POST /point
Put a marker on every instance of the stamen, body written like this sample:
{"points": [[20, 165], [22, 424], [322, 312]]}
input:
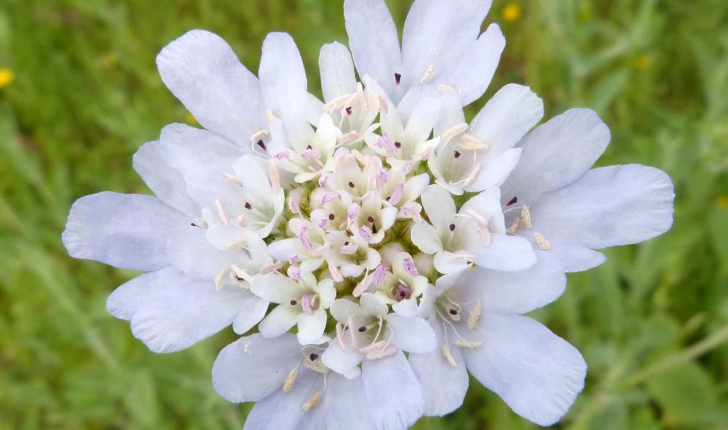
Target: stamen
{"points": [[514, 227], [261, 144], [335, 273], [294, 272], [232, 178], [283, 153], [348, 249], [482, 226], [309, 154], [290, 380], [348, 110], [323, 180], [383, 105], [304, 240], [363, 286], [270, 268], [428, 74], [446, 88], [542, 242], [526, 216], [309, 304], [366, 233], [382, 353], [448, 355], [396, 195], [469, 344], [349, 137], [275, 176], [402, 292], [247, 348], [221, 212], [258, 134], [294, 204], [242, 274], [472, 143], [312, 402], [219, 277], [409, 267], [270, 116], [241, 221], [328, 197], [340, 337], [474, 317], [453, 132], [512, 201], [385, 142], [379, 273]]}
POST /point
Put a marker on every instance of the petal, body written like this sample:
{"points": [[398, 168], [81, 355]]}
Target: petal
{"points": [[494, 171], [343, 309], [608, 206], [393, 395], [189, 251], [556, 154], [422, 120], [444, 385], [411, 334], [372, 305], [126, 300], [337, 71], [537, 373], [205, 75], [487, 204], [123, 230], [284, 411], [165, 181], [197, 311], [374, 43], [477, 64], [507, 117], [426, 238], [276, 288], [281, 319], [340, 360], [251, 311], [311, 327], [451, 113], [253, 367], [203, 159], [507, 253], [344, 406], [512, 292], [436, 33], [439, 206]]}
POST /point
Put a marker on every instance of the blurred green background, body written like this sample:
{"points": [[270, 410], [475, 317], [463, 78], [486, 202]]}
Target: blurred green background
{"points": [[80, 93]]}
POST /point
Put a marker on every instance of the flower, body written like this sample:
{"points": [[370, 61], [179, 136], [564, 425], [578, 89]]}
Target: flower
{"points": [[381, 246]]}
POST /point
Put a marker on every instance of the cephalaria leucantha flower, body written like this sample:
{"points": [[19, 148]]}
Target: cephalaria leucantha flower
{"points": [[373, 247]]}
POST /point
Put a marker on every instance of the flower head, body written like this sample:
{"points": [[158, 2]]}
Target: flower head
{"points": [[381, 244]]}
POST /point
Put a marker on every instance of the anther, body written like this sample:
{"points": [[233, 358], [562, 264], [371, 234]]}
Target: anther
{"points": [[362, 329], [332, 217], [452, 227], [446, 88], [294, 302], [248, 206], [514, 227], [526, 216], [397, 145], [348, 110], [448, 355], [456, 154], [313, 356], [370, 218], [428, 74], [469, 344], [512, 201], [261, 144], [351, 184], [221, 212], [474, 317], [542, 242], [290, 380], [397, 78], [453, 311], [312, 402]]}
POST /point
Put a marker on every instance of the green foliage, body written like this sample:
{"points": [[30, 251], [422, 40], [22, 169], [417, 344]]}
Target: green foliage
{"points": [[652, 322]]}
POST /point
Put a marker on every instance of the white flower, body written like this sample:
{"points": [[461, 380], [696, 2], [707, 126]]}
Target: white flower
{"points": [[371, 224]]}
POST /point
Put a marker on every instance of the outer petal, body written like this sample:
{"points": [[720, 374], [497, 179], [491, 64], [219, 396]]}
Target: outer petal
{"points": [[511, 292], [608, 206], [536, 372], [165, 181], [284, 411], [507, 117], [436, 33], [507, 253], [374, 43], [253, 367], [393, 395], [556, 154], [337, 71], [344, 406], [281, 69], [444, 385], [477, 65], [412, 334], [123, 230], [195, 313], [203, 72], [134, 295]]}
